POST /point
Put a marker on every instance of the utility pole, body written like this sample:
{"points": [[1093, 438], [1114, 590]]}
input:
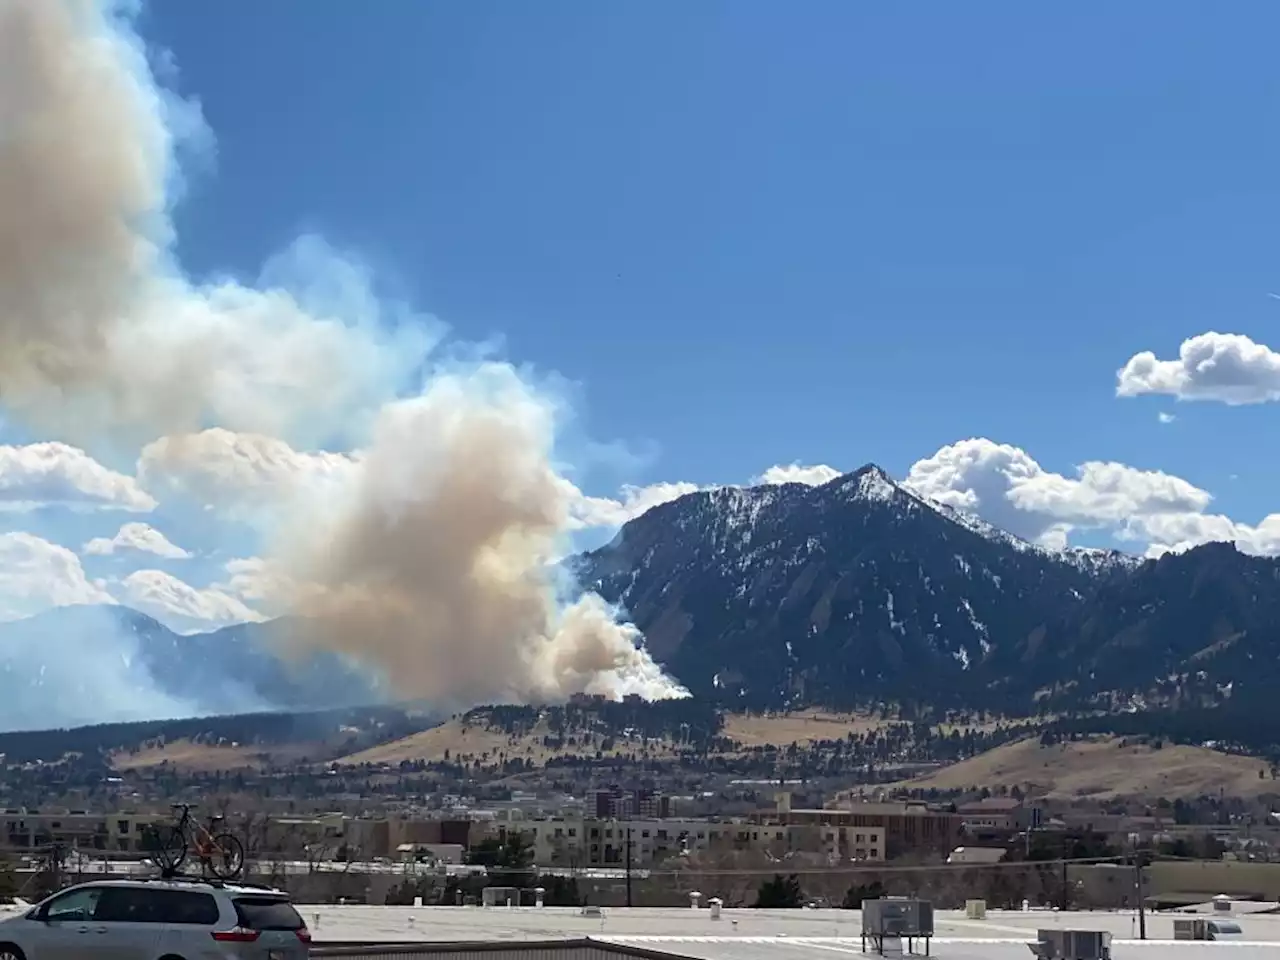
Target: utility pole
{"points": [[1137, 883], [628, 866], [1066, 891]]}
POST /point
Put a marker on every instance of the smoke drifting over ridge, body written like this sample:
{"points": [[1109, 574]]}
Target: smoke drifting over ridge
{"points": [[428, 552]]}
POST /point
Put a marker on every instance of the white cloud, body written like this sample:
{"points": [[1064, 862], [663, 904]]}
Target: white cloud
{"points": [[813, 476], [180, 606], [1008, 488], [251, 578], [631, 502], [264, 585], [36, 575], [55, 473], [240, 473], [1165, 417], [1227, 367], [1178, 532], [138, 538]]}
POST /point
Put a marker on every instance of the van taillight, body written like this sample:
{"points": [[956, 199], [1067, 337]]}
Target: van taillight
{"points": [[303, 934], [236, 935]]}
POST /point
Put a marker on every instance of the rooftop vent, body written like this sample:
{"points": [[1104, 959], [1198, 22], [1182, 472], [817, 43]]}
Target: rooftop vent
{"points": [[1072, 945]]}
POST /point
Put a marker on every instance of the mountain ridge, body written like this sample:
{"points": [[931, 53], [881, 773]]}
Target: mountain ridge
{"points": [[860, 588]]}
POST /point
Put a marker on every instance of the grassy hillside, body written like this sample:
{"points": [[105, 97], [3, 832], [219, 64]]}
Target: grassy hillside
{"points": [[190, 756], [1105, 767], [487, 735], [469, 738]]}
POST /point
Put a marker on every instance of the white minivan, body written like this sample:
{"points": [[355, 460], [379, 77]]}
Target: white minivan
{"points": [[154, 919]]}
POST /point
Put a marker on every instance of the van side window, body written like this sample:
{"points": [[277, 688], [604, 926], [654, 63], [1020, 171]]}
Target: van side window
{"points": [[127, 905], [187, 906], [74, 905]]}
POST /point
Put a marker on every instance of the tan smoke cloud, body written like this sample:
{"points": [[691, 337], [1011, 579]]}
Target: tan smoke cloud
{"points": [[447, 537], [431, 555], [81, 178], [99, 333]]}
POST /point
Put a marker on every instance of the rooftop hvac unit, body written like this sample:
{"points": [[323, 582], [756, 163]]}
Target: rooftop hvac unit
{"points": [[500, 896], [893, 919], [1072, 945]]}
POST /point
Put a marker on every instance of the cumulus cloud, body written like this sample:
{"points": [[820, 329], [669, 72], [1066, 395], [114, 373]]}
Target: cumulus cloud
{"points": [[137, 538], [244, 474], [41, 474], [632, 501], [1165, 417], [813, 476], [1149, 509], [36, 575], [264, 585], [180, 606], [1227, 367], [1176, 532], [1007, 487]]}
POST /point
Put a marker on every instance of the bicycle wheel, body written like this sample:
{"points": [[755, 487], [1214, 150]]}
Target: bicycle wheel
{"points": [[168, 847], [226, 859]]}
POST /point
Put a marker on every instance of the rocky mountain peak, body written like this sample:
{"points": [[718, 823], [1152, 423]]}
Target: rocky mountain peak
{"points": [[859, 589]]}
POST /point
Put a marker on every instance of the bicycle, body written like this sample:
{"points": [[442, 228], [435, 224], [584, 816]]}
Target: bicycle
{"points": [[221, 854]]}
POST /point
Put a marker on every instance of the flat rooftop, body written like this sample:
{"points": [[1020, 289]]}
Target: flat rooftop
{"points": [[685, 926], [783, 949], [746, 934]]}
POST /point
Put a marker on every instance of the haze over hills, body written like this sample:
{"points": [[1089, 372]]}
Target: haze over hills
{"points": [[99, 664]]}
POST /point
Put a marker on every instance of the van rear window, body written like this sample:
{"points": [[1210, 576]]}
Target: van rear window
{"points": [[267, 913]]}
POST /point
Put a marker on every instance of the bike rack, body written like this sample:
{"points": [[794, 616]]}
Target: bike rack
{"points": [[168, 871], [171, 874]]}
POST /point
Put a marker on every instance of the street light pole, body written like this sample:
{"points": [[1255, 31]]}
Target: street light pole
{"points": [[628, 866], [1137, 884]]}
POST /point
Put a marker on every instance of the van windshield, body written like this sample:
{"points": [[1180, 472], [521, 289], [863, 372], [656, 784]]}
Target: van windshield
{"points": [[1220, 926]]}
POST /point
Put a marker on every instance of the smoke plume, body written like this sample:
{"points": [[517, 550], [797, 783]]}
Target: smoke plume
{"points": [[430, 553]]}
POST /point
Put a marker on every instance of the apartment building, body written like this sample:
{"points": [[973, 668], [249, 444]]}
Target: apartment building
{"points": [[996, 817], [24, 831], [904, 826], [367, 838], [589, 842], [614, 803]]}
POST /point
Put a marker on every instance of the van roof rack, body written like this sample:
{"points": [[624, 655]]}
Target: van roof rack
{"points": [[196, 878]]}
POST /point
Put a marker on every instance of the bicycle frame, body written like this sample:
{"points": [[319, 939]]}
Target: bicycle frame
{"points": [[221, 854], [198, 836]]}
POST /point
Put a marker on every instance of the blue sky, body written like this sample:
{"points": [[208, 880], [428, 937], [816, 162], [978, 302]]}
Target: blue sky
{"points": [[837, 233], [748, 236]]}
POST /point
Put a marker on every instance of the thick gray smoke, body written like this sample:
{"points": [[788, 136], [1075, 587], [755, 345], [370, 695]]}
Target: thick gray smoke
{"points": [[428, 551]]}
